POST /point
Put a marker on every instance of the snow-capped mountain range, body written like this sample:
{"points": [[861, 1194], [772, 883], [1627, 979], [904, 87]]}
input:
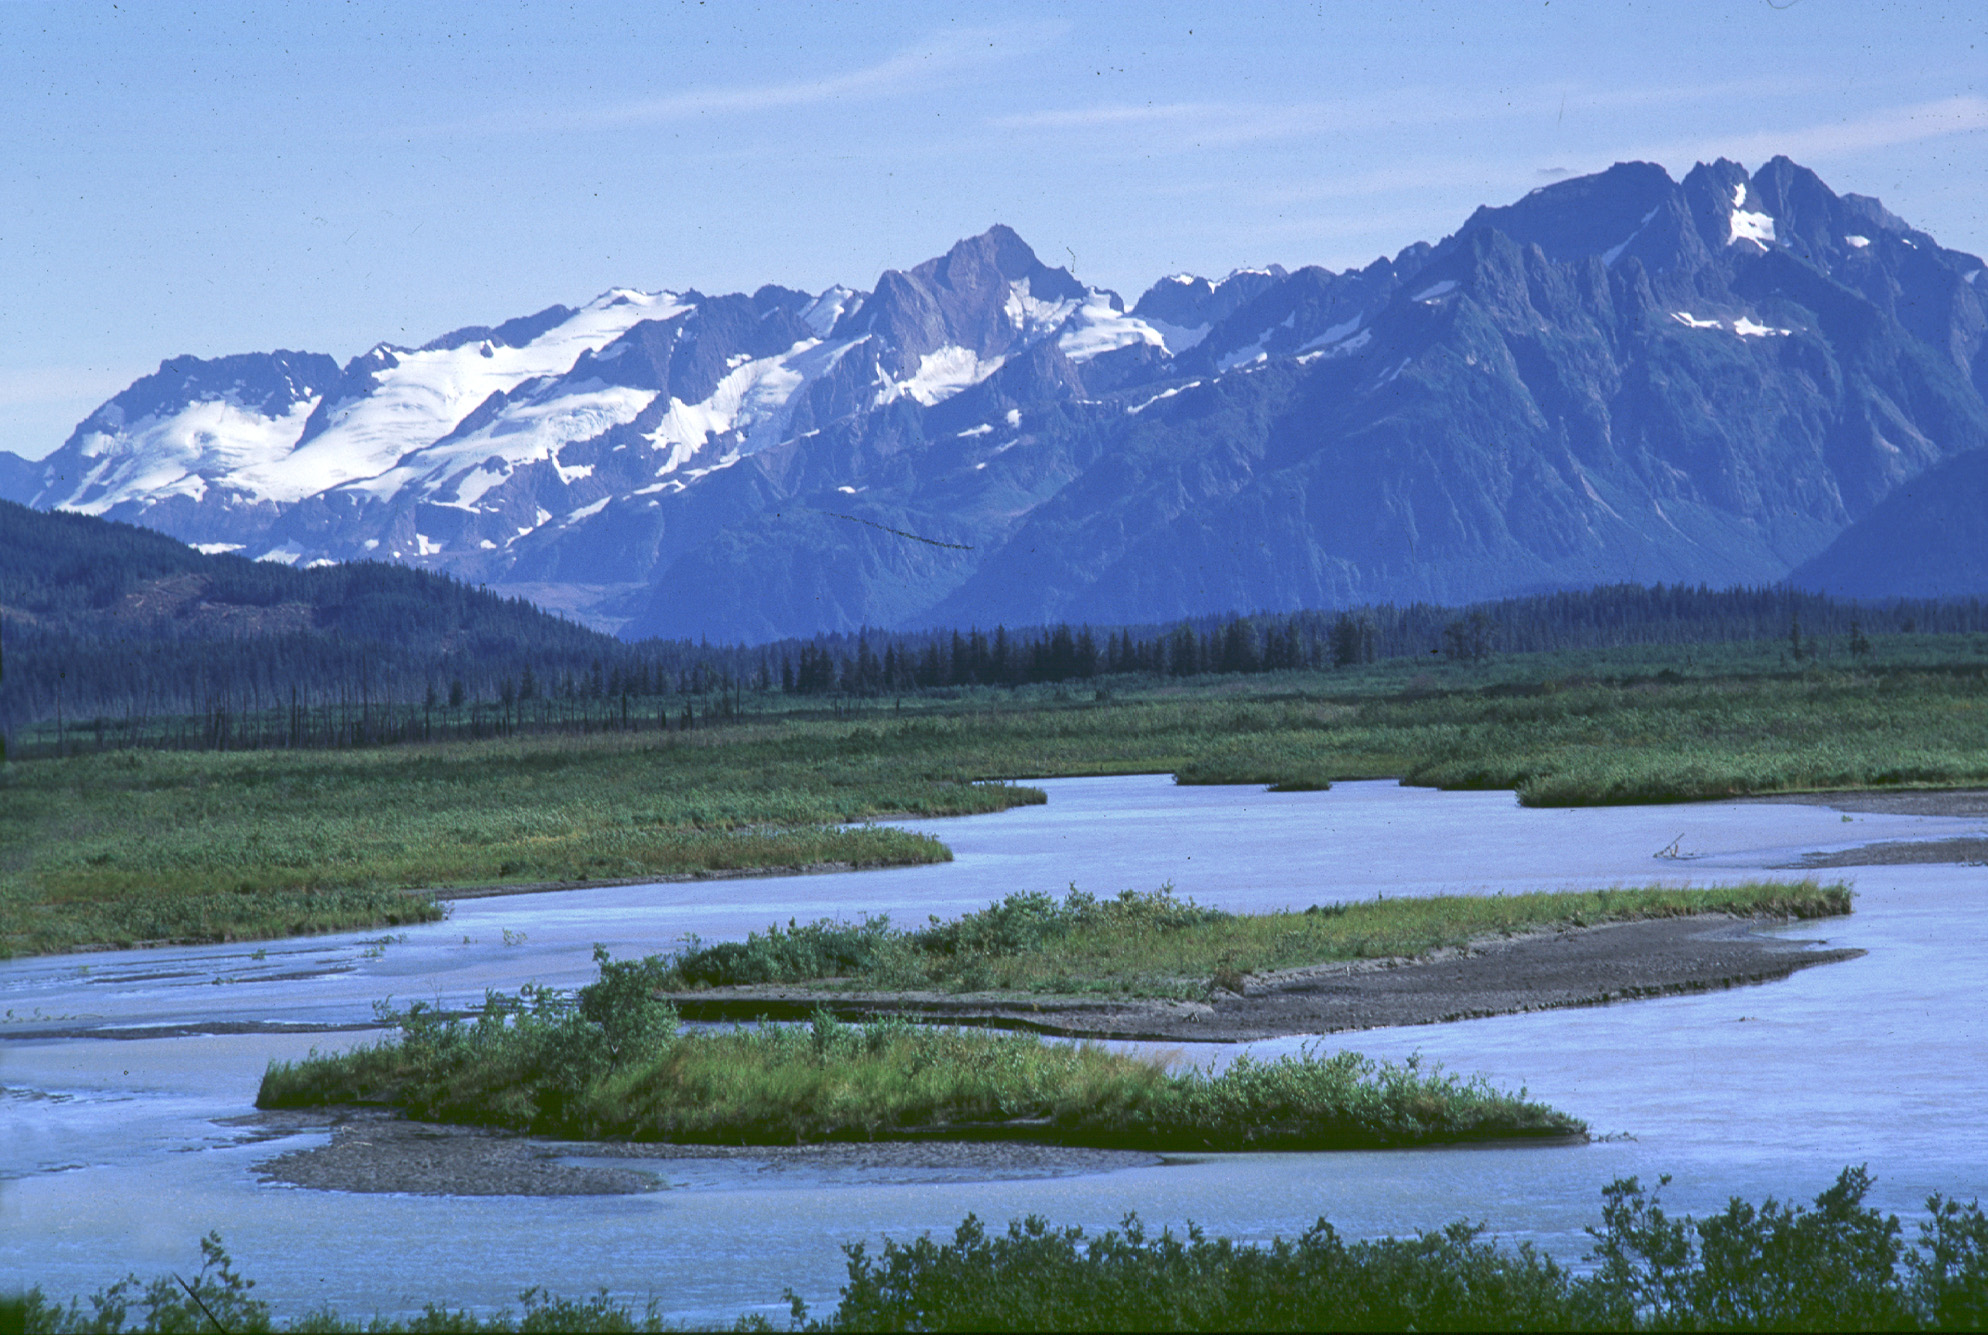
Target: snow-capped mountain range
{"points": [[1620, 376]]}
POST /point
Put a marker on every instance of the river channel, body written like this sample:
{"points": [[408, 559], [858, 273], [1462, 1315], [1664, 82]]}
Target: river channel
{"points": [[124, 1077]]}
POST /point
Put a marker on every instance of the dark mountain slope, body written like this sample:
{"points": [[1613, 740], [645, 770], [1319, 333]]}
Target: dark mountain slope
{"points": [[20, 478], [107, 615], [1514, 424], [1928, 539]]}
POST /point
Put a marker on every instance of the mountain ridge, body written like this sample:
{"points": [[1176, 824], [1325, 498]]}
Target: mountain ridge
{"points": [[1616, 377]]}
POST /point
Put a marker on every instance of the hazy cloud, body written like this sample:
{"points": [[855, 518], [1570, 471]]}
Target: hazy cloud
{"points": [[916, 68], [1210, 124]]}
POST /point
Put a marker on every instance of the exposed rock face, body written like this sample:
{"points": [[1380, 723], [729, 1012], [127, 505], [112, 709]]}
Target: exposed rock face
{"points": [[1618, 377]]}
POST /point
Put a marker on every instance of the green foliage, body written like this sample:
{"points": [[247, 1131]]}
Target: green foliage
{"points": [[1838, 1266], [147, 846], [1033, 921], [1158, 944], [1587, 743], [824, 949], [1037, 1277], [217, 1297], [611, 1062], [1949, 1267], [1787, 1267]]}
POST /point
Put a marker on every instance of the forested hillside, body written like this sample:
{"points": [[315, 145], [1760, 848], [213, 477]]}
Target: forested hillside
{"points": [[119, 636], [99, 617]]}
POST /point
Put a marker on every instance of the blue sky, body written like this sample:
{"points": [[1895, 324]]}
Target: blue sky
{"points": [[236, 177]]}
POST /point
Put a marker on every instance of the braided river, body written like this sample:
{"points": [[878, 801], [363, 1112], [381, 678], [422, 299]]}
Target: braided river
{"points": [[127, 1079]]}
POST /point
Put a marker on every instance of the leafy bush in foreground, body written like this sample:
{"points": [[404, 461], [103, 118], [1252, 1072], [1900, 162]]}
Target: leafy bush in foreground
{"points": [[1841, 1265], [1838, 1266]]}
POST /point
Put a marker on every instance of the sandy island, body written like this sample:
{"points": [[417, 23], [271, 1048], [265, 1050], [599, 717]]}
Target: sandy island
{"points": [[375, 1151], [1587, 966]]}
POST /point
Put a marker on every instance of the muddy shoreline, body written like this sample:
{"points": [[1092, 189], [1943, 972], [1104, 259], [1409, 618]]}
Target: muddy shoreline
{"points": [[373, 1151], [1891, 801], [1586, 966], [1964, 850]]}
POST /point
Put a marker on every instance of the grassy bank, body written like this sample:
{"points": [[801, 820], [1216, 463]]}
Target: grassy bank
{"points": [[610, 1062], [132, 846], [1157, 945], [138, 846], [1838, 1264], [1584, 743]]}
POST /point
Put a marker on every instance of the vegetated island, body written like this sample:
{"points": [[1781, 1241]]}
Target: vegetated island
{"points": [[612, 1061], [1154, 966]]}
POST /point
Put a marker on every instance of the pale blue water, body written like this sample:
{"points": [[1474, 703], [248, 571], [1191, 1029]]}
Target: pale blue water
{"points": [[111, 1156]]}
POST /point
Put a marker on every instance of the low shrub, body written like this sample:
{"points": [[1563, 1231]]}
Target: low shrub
{"points": [[1839, 1265]]}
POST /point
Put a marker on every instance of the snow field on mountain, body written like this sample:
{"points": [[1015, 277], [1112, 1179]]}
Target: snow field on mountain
{"points": [[754, 398], [940, 375], [1748, 226], [1099, 327], [421, 396], [176, 455], [523, 433]]}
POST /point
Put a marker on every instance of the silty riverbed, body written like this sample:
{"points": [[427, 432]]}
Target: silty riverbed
{"points": [[128, 1076]]}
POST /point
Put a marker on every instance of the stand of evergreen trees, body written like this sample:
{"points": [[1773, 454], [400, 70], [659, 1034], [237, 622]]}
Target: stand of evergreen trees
{"points": [[119, 636], [874, 663], [383, 676]]}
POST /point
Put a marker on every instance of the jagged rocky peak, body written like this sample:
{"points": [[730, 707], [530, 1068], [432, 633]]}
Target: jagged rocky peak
{"points": [[1724, 208], [986, 296], [1616, 374], [1584, 215], [1632, 211]]}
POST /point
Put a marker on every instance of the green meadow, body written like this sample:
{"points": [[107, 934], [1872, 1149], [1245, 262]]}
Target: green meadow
{"points": [[117, 848]]}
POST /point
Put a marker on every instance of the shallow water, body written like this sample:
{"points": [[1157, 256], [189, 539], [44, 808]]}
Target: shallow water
{"points": [[114, 1155]]}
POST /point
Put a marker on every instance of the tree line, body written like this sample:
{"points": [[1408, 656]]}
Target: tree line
{"points": [[504, 666], [873, 663]]}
